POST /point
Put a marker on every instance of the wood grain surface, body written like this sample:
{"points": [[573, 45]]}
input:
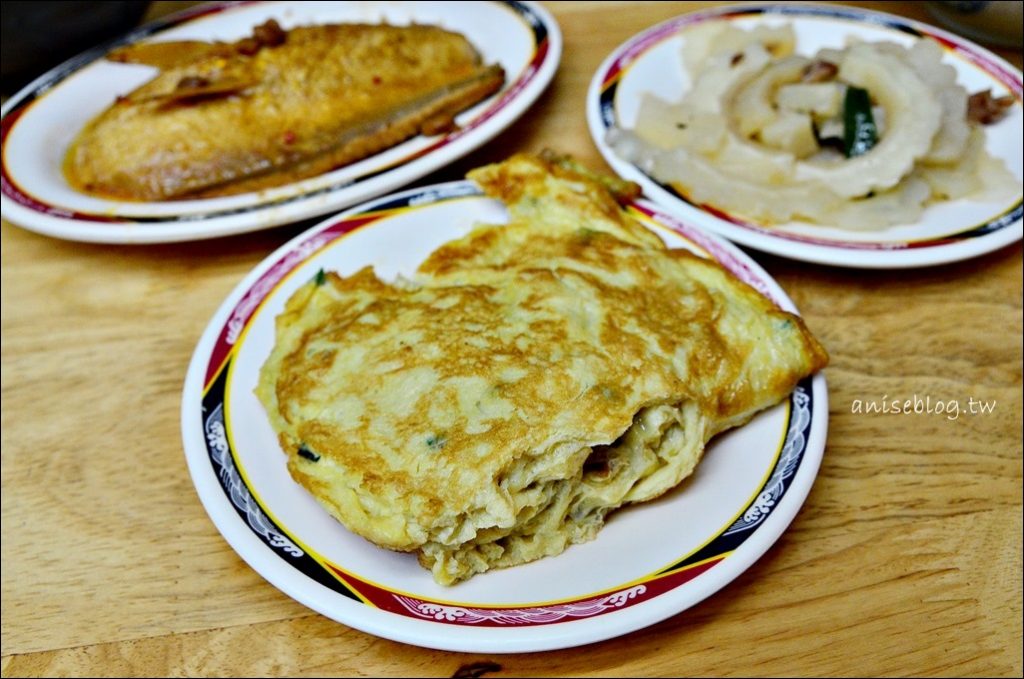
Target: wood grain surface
{"points": [[905, 559]]}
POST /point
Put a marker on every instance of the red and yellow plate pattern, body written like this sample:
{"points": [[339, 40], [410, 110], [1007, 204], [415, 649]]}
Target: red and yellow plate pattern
{"points": [[645, 565]]}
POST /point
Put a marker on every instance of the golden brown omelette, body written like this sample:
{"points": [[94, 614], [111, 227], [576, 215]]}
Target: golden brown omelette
{"points": [[274, 107], [530, 379]]}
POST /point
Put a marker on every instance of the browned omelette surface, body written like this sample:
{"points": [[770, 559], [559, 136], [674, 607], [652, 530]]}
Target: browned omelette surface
{"points": [[279, 106], [530, 379]]}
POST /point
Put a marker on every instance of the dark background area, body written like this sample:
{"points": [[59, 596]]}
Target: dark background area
{"points": [[37, 35]]}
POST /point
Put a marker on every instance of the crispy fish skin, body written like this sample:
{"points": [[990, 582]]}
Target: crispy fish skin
{"points": [[529, 379], [230, 121]]}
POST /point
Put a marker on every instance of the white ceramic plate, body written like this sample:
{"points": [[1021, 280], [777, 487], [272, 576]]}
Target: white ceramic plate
{"points": [[950, 231], [649, 562], [40, 122]]}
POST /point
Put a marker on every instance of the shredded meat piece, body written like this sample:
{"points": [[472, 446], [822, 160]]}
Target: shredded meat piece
{"points": [[986, 109], [597, 462], [269, 33], [819, 71]]}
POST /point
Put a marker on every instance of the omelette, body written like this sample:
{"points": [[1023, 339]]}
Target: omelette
{"points": [[275, 107], [529, 379]]}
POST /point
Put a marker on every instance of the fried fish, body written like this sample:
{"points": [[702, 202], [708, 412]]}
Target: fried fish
{"points": [[275, 107], [530, 379]]}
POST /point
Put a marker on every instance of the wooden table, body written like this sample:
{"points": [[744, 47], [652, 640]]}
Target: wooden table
{"points": [[905, 559]]}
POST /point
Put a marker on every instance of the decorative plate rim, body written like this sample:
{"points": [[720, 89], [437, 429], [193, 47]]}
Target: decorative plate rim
{"points": [[993, 233], [403, 616], [289, 203]]}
